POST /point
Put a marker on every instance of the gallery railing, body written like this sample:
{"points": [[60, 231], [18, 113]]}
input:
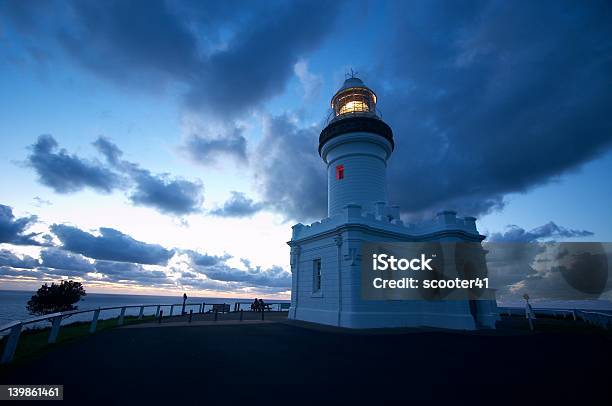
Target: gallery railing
{"points": [[14, 328]]}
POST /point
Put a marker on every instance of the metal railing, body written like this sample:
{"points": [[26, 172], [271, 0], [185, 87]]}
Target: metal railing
{"points": [[603, 320], [14, 328]]}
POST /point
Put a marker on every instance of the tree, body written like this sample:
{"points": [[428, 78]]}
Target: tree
{"points": [[56, 298]]}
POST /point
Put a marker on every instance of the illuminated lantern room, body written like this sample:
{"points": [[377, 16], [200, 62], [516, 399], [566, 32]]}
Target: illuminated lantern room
{"points": [[354, 97]]}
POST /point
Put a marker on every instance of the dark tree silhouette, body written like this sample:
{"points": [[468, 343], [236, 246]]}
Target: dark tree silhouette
{"points": [[56, 298]]}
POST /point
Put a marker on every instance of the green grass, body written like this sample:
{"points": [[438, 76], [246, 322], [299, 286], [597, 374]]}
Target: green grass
{"points": [[33, 342]]}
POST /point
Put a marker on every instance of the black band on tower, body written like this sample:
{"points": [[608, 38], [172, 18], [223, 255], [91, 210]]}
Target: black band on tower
{"points": [[356, 124]]}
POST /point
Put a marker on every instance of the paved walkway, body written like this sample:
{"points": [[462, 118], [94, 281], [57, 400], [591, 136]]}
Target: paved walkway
{"points": [[276, 363]]}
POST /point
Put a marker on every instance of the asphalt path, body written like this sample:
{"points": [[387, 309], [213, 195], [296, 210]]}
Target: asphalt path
{"points": [[280, 362]]}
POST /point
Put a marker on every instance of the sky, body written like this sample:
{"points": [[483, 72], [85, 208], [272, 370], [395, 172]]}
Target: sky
{"points": [[163, 147]]}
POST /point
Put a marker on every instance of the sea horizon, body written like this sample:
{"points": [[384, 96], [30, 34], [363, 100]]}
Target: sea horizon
{"points": [[13, 303]]}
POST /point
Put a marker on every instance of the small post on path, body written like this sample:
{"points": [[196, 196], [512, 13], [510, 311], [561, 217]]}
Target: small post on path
{"points": [[121, 316], [530, 323], [161, 314], [94, 321], [54, 329], [216, 314], [262, 314], [241, 315], [11, 345], [190, 314], [141, 313]]}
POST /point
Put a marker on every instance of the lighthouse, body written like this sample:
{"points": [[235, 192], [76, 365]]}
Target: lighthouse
{"points": [[355, 145]]}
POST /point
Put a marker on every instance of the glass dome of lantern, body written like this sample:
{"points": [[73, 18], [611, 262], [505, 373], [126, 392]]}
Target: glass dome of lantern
{"points": [[354, 110], [353, 98]]}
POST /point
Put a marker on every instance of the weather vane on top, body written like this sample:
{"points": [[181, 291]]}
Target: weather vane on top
{"points": [[350, 74]]}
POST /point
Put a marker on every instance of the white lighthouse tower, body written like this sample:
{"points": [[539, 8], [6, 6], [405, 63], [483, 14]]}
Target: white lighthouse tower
{"points": [[355, 146], [325, 256]]}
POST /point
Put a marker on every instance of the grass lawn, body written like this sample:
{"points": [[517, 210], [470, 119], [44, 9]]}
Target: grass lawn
{"points": [[33, 342]]}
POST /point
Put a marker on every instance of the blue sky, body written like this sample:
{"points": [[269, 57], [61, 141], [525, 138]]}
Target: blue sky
{"points": [[205, 118]]}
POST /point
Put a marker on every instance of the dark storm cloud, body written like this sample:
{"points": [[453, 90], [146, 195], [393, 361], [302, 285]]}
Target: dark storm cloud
{"points": [[166, 194], [131, 41], [229, 56], [199, 259], [289, 171], [549, 230], [238, 205], [65, 261], [109, 150], [122, 44], [126, 271], [216, 269], [259, 60], [13, 229], [504, 97], [9, 259], [206, 150], [169, 195], [110, 245], [253, 276], [484, 98], [66, 173]]}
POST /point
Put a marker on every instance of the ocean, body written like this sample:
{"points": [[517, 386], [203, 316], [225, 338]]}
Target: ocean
{"points": [[13, 304]]}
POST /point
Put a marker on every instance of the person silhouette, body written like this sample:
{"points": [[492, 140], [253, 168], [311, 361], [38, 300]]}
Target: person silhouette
{"points": [[529, 313], [184, 300]]}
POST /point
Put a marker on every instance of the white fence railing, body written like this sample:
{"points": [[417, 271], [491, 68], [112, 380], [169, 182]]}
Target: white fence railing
{"points": [[599, 319], [14, 328]]}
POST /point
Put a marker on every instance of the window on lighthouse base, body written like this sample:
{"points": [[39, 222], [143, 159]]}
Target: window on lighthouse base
{"points": [[340, 172], [316, 275]]}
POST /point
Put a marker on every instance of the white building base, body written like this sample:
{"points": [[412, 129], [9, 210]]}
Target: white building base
{"points": [[335, 243]]}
